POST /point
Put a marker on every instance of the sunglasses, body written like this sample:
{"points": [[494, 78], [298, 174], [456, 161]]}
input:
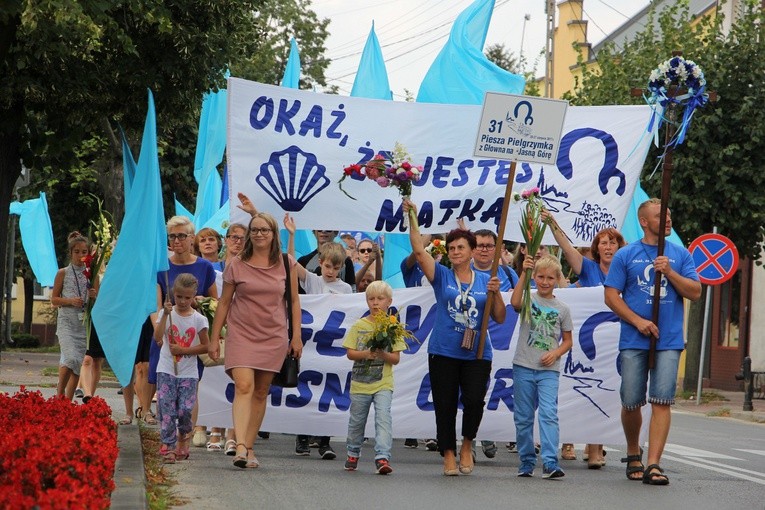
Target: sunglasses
{"points": [[180, 237], [365, 250]]}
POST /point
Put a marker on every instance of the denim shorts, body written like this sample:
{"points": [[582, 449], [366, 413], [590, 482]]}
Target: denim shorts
{"points": [[635, 375]]}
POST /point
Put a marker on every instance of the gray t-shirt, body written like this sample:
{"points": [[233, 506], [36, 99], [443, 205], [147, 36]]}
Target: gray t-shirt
{"points": [[549, 317]]}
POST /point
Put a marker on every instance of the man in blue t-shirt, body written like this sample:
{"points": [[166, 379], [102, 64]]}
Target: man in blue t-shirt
{"points": [[629, 293]]}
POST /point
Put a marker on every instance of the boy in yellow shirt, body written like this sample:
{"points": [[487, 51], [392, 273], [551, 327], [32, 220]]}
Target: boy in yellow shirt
{"points": [[371, 382]]}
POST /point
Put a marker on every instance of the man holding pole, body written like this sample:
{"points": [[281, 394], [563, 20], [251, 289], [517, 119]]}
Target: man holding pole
{"points": [[629, 293]]}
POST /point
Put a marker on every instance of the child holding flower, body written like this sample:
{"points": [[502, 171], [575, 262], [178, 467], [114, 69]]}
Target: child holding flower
{"points": [[536, 365], [71, 294], [180, 341], [372, 375]]}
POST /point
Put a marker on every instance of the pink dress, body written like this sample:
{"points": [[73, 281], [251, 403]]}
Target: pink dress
{"points": [[257, 317]]}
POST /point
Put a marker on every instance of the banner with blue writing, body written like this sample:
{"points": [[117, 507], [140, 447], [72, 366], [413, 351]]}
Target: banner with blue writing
{"points": [[287, 150], [589, 403]]}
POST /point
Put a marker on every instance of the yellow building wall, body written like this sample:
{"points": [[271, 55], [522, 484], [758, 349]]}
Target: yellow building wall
{"points": [[17, 307], [570, 40]]}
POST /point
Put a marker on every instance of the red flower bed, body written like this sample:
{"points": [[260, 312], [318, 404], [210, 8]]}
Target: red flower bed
{"points": [[54, 453]]}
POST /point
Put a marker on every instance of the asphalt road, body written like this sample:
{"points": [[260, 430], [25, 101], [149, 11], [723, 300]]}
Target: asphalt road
{"points": [[713, 463]]}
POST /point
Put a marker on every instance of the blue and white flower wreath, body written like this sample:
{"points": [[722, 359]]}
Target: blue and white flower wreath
{"points": [[683, 74]]}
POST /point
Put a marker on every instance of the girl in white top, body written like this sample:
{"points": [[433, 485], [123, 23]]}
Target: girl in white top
{"points": [[181, 332]]}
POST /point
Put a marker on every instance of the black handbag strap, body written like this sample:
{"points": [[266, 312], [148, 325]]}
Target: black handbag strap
{"points": [[288, 295]]}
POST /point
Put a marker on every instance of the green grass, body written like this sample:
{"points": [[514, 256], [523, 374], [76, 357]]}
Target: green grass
{"points": [[706, 396], [159, 481], [722, 413], [49, 348], [50, 371]]}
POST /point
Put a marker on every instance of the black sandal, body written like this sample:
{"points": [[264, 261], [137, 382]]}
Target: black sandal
{"points": [[652, 477], [631, 470]]}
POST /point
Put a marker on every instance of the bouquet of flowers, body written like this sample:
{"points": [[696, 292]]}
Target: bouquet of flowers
{"points": [[677, 73], [103, 233], [387, 331], [533, 230], [207, 307], [437, 250], [395, 170]]}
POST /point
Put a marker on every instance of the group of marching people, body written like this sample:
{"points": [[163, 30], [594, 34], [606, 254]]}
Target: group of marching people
{"points": [[249, 274]]}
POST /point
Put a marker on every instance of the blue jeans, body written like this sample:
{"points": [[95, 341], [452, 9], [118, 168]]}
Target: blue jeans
{"points": [[536, 390], [383, 423], [635, 377]]}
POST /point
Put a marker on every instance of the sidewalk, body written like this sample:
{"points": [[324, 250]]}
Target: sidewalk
{"points": [[26, 369], [20, 368]]}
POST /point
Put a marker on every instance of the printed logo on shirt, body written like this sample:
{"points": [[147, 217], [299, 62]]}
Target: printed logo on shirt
{"points": [[182, 340], [542, 331]]}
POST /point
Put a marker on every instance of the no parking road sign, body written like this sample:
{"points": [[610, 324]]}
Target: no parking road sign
{"points": [[716, 258]]}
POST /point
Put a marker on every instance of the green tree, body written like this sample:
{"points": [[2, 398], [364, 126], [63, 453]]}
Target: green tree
{"points": [[505, 59], [717, 174], [276, 22], [502, 57], [70, 70]]}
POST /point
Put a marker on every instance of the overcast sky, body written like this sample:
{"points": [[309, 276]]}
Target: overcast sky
{"points": [[412, 32]]}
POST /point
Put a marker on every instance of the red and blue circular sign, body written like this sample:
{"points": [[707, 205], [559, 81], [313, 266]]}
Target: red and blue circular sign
{"points": [[716, 258]]}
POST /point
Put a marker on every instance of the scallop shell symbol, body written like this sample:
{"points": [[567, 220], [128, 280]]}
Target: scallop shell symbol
{"points": [[292, 178]]}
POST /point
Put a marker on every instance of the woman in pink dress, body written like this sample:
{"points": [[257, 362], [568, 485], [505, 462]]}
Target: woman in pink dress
{"points": [[253, 307]]}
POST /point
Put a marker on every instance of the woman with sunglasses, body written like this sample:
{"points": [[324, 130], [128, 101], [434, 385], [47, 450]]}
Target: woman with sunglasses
{"points": [[180, 240], [370, 259]]}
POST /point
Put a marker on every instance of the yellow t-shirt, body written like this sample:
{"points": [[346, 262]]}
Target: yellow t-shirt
{"points": [[369, 376]]}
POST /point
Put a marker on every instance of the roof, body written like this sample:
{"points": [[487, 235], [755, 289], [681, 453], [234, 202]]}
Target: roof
{"points": [[629, 29]]}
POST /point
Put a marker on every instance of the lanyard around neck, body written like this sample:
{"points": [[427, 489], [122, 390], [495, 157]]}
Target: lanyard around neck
{"points": [[77, 284], [464, 296]]}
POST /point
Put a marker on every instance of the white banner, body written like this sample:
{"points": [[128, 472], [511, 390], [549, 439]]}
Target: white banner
{"points": [[589, 403], [287, 149]]}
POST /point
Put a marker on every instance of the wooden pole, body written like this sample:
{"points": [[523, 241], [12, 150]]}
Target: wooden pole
{"points": [[666, 183], [495, 263]]}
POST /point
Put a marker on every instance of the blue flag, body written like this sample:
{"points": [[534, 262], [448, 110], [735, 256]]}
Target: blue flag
{"points": [[632, 231], [291, 78], [37, 238], [461, 73], [128, 165], [397, 248], [180, 210], [211, 143], [372, 78], [128, 293]]}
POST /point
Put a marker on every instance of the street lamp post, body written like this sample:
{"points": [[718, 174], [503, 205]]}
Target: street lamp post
{"points": [[526, 17], [22, 181]]}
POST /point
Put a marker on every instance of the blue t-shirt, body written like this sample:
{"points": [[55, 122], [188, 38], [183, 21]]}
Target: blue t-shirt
{"points": [[413, 276], [446, 338], [591, 275], [201, 269], [507, 277], [631, 273]]}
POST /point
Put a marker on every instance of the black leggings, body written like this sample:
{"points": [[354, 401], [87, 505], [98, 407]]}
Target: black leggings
{"points": [[453, 379]]}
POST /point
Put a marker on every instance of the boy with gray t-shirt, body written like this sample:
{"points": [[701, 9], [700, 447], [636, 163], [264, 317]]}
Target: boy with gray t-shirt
{"points": [[536, 366]]}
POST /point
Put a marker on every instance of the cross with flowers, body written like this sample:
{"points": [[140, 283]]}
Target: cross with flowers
{"points": [[676, 85]]}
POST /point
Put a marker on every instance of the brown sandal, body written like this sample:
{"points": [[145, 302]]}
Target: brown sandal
{"points": [[567, 452]]}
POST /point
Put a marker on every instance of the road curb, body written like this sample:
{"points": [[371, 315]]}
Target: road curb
{"points": [[129, 476]]}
